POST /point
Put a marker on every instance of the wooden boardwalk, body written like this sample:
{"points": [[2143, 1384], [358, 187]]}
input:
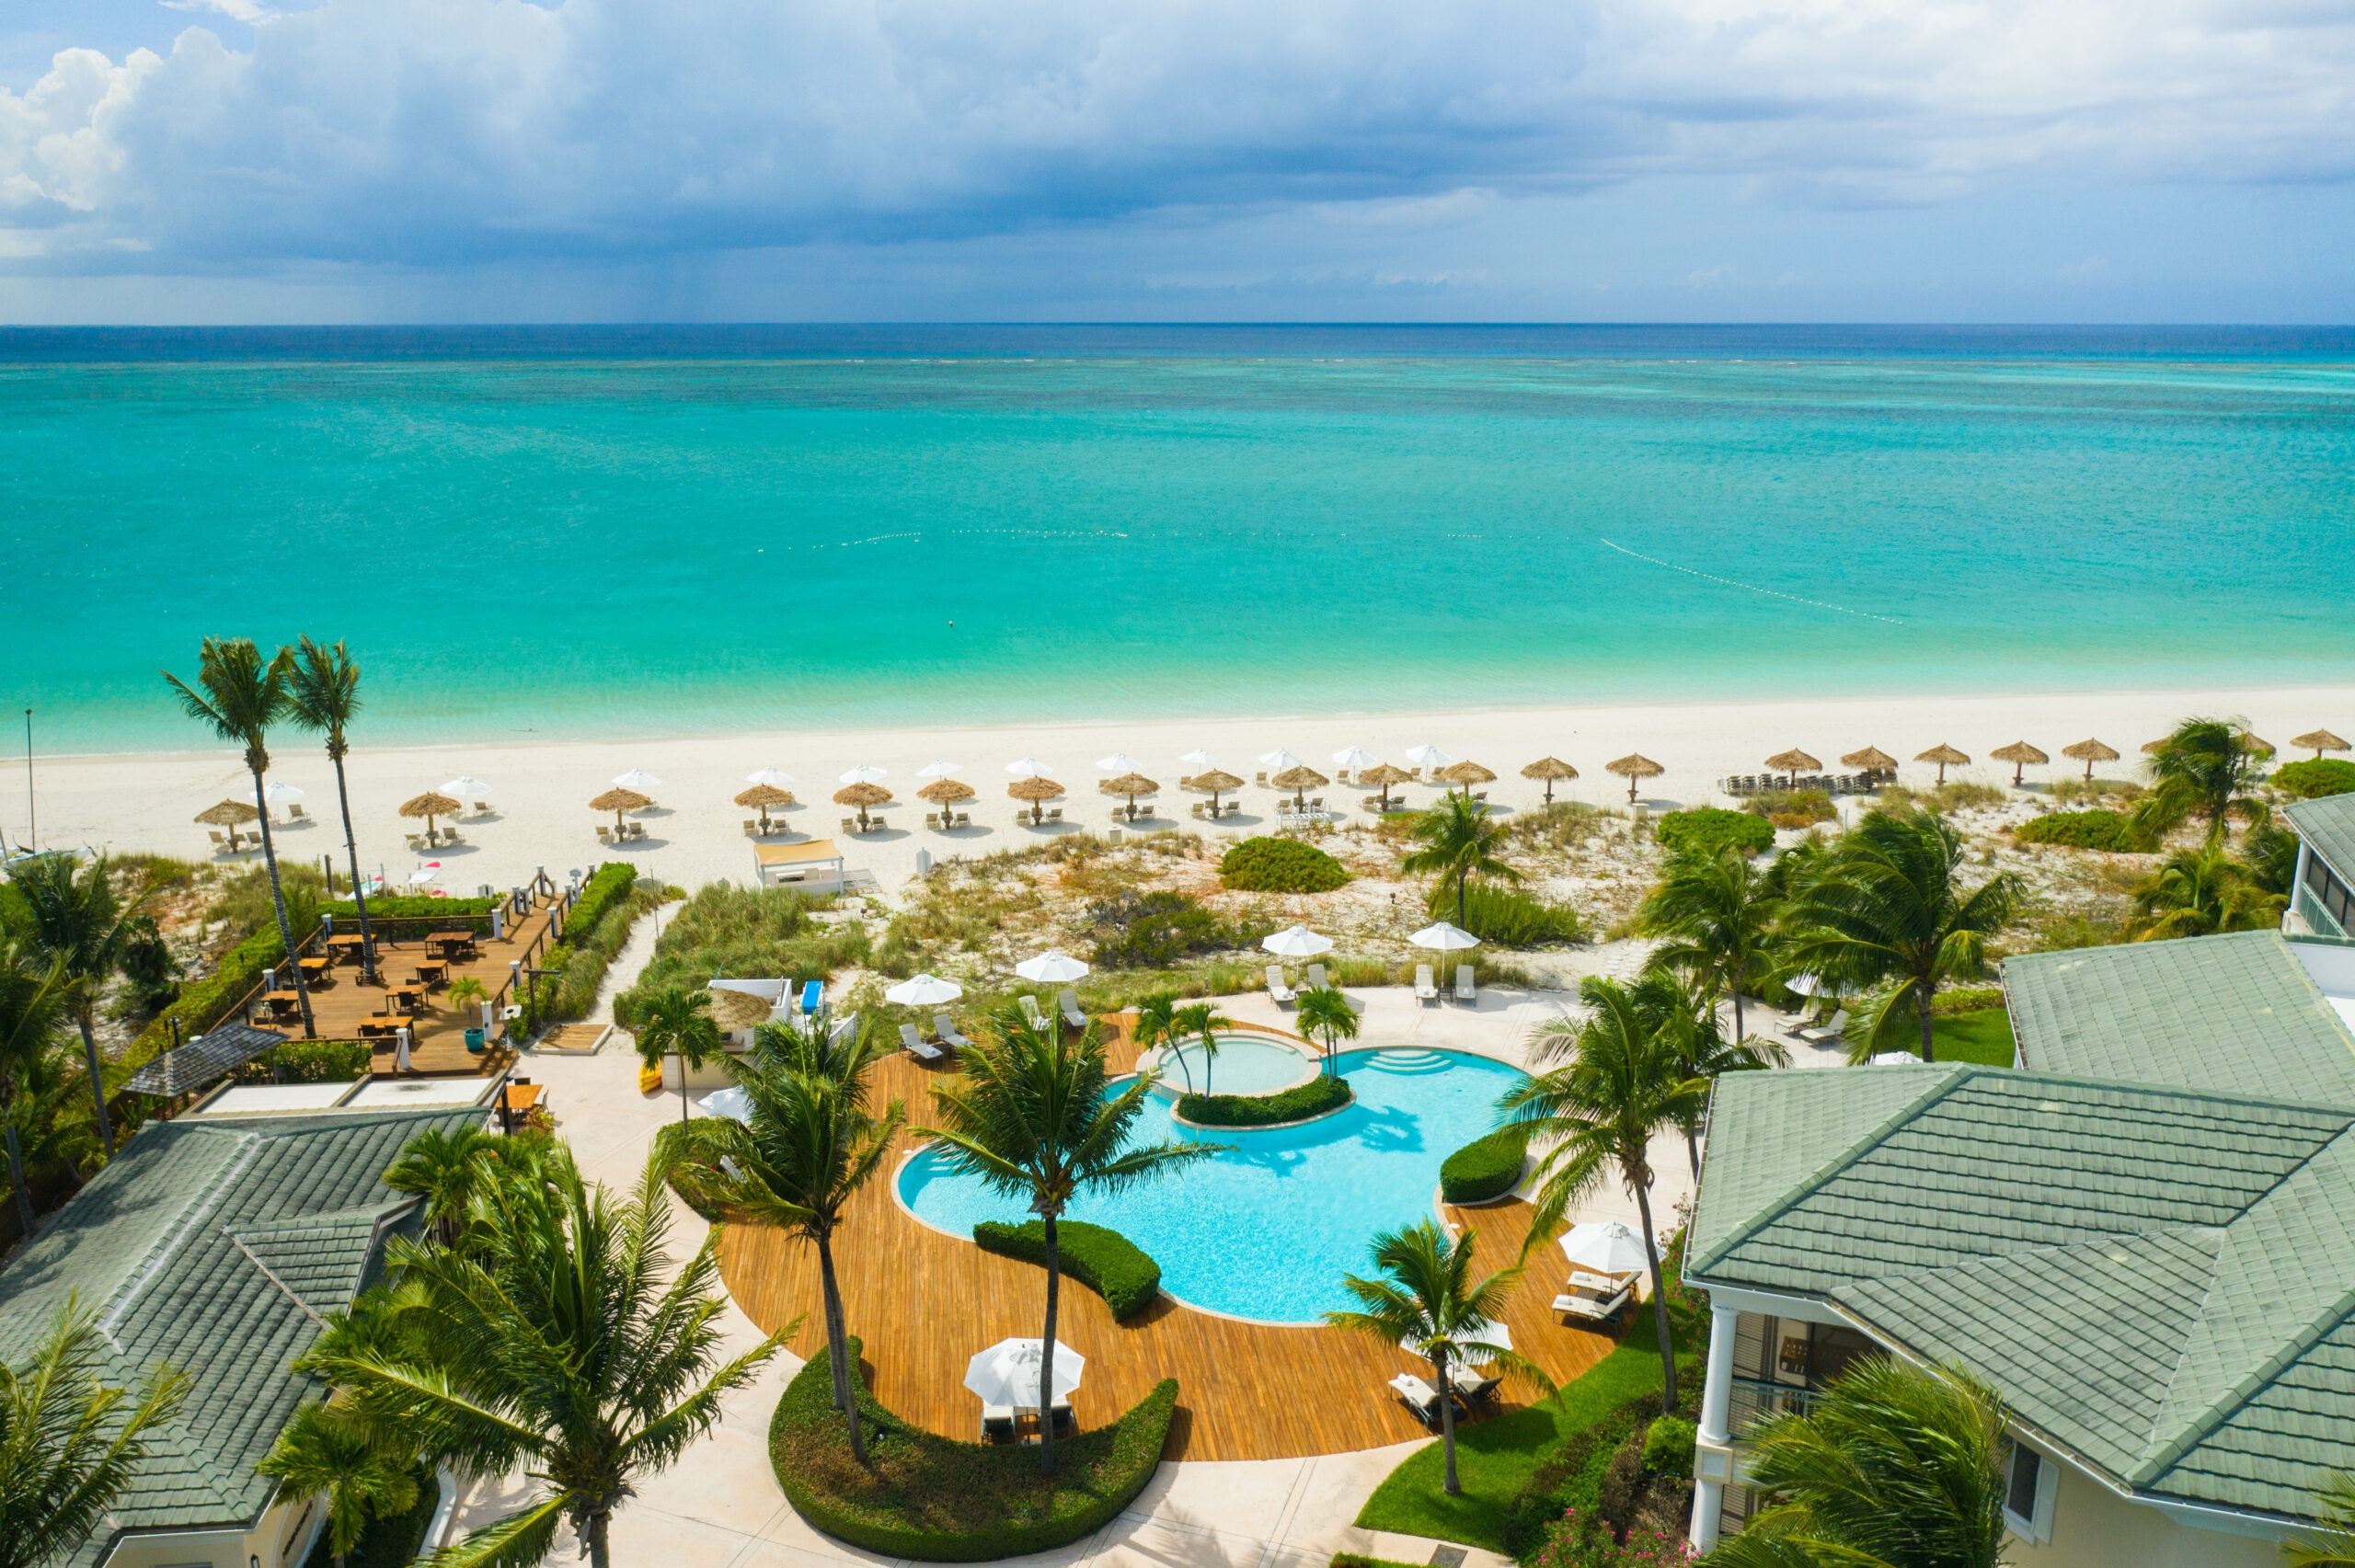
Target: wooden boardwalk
{"points": [[923, 1302]]}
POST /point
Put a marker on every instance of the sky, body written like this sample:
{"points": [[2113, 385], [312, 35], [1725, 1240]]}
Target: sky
{"points": [[228, 161]]}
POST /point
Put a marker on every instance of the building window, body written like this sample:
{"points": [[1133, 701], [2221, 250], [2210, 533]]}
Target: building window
{"points": [[2029, 1482]]}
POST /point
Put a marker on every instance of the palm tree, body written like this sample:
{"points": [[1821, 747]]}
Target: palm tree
{"points": [[2206, 768], [1458, 838], [1200, 1022], [242, 695], [69, 1442], [2198, 892], [677, 1019], [1324, 1014], [1427, 1300], [32, 1010], [323, 694], [447, 1169], [77, 920], [1156, 1024], [810, 1146], [324, 1449], [1690, 1028], [1888, 905], [1622, 1080], [2331, 1543], [563, 1344], [1033, 1117], [1714, 915], [1890, 1465]]}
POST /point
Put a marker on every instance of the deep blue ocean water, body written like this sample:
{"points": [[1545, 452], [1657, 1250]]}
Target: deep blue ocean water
{"points": [[545, 532]]}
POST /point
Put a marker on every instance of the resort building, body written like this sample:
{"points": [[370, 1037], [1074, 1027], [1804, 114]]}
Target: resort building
{"points": [[2323, 902], [2143, 1238], [217, 1243]]}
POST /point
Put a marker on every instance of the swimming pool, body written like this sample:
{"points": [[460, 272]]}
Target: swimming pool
{"points": [[1246, 1064], [1267, 1229]]}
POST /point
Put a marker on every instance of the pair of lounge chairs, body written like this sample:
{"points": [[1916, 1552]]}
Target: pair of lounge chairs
{"points": [[1067, 1004], [1595, 1298], [1468, 1387], [874, 825], [1279, 989], [998, 1421], [1427, 987], [942, 821], [923, 1049]]}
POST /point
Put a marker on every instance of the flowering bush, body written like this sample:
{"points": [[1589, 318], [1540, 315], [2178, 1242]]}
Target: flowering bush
{"points": [[1585, 1540]]}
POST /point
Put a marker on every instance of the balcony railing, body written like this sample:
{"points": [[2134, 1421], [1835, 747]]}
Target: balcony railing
{"points": [[1755, 1398]]}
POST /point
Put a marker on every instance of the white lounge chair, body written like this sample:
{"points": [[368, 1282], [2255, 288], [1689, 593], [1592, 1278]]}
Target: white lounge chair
{"points": [[1595, 1298], [1072, 1015], [1030, 1014], [947, 1030], [1425, 990], [1418, 1396], [1278, 991], [1317, 980], [1464, 989], [918, 1047]]}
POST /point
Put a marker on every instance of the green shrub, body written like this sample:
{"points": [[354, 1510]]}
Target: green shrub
{"points": [[386, 1540], [455, 914], [1140, 930], [1359, 1560], [1506, 917], [1799, 808], [937, 1500], [2313, 778], [1104, 1260], [1485, 1167], [1315, 1098], [1281, 866], [606, 891], [310, 1061], [1668, 1447], [1711, 830], [2095, 829], [202, 1003]]}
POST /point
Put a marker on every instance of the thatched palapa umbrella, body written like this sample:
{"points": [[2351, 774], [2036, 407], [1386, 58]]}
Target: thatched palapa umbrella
{"points": [[1873, 761], [945, 792], [1791, 764], [2019, 754], [1633, 766], [2254, 745], [2089, 751], [1465, 775], [1131, 786], [765, 795], [229, 814], [1551, 770], [429, 806], [1382, 775], [1215, 783], [862, 795], [2321, 740], [615, 801], [1299, 780], [1945, 757], [1038, 792]]}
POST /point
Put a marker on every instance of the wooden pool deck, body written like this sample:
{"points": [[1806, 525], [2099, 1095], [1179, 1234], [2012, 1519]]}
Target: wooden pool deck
{"points": [[923, 1302]]}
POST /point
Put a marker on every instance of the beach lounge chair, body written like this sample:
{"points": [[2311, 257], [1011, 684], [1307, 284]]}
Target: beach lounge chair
{"points": [[1068, 1001], [997, 1423], [1317, 980], [1030, 1014], [1418, 1396], [1054, 814], [944, 1028], [219, 845], [604, 836], [1464, 989], [1067, 1423], [752, 829], [1472, 1385], [294, 812], [814, 996], [1260, 778], [1424, 989], [1278, 991], [1595, 1298], [964, 820], [918, 1047]]}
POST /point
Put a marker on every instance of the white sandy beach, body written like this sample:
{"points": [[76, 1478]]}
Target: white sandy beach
{"points": [[145, 802]]}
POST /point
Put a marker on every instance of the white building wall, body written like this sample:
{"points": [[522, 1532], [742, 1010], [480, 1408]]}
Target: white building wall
{"points": [[2094, 1527]]}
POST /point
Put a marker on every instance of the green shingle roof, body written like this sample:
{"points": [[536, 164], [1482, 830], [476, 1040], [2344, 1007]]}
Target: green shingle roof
{"points": [[214, 1246], [2229, 1014], [2160, 1280], [2328, 827]]}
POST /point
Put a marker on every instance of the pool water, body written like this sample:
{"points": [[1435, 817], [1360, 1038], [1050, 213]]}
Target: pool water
{"points": [[1245, 1064], [1268, 1228]]}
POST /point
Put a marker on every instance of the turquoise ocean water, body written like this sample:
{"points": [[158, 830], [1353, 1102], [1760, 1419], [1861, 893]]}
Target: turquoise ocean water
{"points": [[652, 531]]}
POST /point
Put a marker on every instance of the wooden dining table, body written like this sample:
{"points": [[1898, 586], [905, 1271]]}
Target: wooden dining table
{"points": [[429, 974], [405, 998], [313, 969], [450, 943], [282, 1003], [346, 942]]}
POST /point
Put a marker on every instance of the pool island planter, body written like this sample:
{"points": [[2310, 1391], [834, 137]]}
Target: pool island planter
{"points": [[1093, 1255], [1295, 1107]]}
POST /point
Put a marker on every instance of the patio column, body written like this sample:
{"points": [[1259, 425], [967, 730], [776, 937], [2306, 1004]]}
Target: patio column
{"points": [[1712, 1456]]}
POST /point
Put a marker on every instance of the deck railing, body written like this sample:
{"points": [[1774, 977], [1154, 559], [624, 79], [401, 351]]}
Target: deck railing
{"points": [[1755, 1399]]}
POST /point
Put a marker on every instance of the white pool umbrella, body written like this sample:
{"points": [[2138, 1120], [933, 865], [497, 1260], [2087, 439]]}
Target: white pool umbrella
{"points": [[465, 786], [1027, 768], [637, 779], [939, 769], [1352, 757], [925, 990], [1119, 763], [1606, 1246], [1804, 984], [1296, 941], [1428, 757], [1051, 967], [865, 772], [1444, 938], [1277, 760], [1496, 1336], [731, 1102], [1007, 1373], [1200, 757], [776, 778], [279, 794]]}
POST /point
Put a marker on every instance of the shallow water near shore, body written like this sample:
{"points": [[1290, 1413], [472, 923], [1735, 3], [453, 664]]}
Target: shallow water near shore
{"points": [[646, 535]]}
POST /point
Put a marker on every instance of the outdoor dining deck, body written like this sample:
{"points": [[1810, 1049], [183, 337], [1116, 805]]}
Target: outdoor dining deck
{"points": [[923, 1303]]}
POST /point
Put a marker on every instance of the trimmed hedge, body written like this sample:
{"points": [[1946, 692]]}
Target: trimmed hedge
{"points": [[2313, 777], [1485, 1167], [2094, 830], [1711, 830], [1313, 1098], [607, 887], [1104, 1260], [937, 1500], [310, 1061], [472, 913], [1281, 866]]}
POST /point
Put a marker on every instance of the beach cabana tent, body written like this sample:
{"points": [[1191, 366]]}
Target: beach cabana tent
{"points": [[1633, 766], [1037, 791], [2321, 740], [1553, 771], [2089, 751], [813, 864], [2019, 754], [765, 797], [1945, 757], [1792, 764], [1300, 778]]}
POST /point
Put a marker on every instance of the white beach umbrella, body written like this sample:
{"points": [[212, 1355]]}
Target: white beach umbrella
{"points": [[1496, 1336], [1296, 941], [1277, 760], [465, 786], [426, 874], [939, 769], [1027, 768], [636, 778], [1804, 984], [279, 794], [1007, 1373], [865, 772], [924, 990], [1606, 1246], [1051, 967], [1444, 938], [776, 778], [1119, 763], [1352, 757], [731, 1102], [1200, 757], [1428, 757]]}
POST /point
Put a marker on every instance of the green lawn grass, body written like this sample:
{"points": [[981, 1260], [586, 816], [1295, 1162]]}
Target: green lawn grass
{"points": [[1495, 1457], [1985, 1036]]}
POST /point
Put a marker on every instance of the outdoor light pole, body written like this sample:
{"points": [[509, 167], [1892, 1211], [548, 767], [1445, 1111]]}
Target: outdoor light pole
{"points": [[32, 822]]}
